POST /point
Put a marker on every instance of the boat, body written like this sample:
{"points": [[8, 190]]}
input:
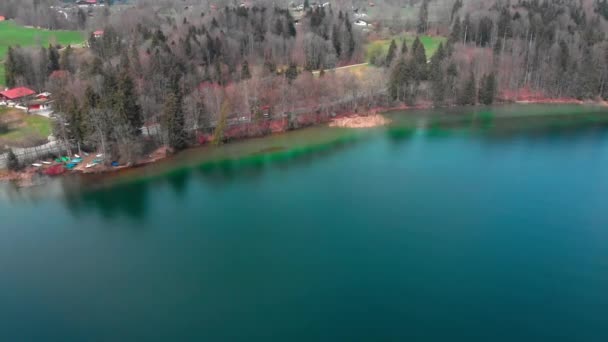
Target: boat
{"points": [[77, 156], [37, 165], [46, 163], [88, 166]]}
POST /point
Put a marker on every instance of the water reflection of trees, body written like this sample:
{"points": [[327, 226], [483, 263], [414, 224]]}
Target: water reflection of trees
{"points": [[132, 199]]}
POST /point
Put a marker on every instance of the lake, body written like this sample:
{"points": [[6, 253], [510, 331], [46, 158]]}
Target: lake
{"points": [[485, 224]]}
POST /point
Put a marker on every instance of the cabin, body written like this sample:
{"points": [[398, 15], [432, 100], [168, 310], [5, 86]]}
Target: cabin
{"points": [[16, 95]]}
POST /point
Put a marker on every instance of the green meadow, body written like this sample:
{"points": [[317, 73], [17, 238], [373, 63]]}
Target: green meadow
{"points": [[12, 34], [380, 47]]}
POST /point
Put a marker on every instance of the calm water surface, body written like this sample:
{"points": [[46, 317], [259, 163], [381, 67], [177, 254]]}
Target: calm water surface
{"points": [[463, 226]]}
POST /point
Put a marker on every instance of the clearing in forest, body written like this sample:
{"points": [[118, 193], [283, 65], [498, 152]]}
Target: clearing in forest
{"points": [[12, 34], [380, 47]]}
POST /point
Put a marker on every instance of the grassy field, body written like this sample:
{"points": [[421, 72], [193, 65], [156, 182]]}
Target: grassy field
{"points": [[20, 129], [380, 47], [12, 34]]}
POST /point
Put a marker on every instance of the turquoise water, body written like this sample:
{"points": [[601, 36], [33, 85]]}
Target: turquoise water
{"points": [[470, 228]]}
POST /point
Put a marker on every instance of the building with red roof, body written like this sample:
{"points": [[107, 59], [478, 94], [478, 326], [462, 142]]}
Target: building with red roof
{"points": [[2, 18], [16, 94]]}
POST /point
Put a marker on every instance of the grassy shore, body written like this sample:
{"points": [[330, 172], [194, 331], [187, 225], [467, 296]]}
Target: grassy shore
{"points": [[12, 34], [18, 128]]}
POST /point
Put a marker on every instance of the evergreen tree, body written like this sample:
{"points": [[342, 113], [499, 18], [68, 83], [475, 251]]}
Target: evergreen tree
{"points": [[81, 18], [468, 94], [456, 33], [419, 61], [292, 72], [588, 77], [174, 117], [65, 63], [487, 89], [11, 68], [402, 83], [12, 161], [126, 105], [423, 17], [336, 41], [437, 76], [245, 73], [455, 8], [53, 60], [392, 50], [404, 47]]}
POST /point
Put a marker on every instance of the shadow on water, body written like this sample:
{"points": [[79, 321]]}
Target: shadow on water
{"points": [[131, 198], [502, 123]]}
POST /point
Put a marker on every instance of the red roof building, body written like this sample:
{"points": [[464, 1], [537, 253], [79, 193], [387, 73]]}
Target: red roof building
{"points": [[98, 34], [2, 18], [16, 93]]}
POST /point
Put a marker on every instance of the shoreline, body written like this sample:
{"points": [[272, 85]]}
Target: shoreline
{"points": [[352, 120]]}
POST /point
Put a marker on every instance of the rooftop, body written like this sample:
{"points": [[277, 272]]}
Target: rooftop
{"points": [[17, 93]]}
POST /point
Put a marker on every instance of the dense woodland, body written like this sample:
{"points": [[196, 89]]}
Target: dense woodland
{"points": [[163, 73]]}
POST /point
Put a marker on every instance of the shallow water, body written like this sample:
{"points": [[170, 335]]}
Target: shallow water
{"points": [[464, 225]]}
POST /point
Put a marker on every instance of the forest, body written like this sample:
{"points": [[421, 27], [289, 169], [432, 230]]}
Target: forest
{"points": [[167, 74]]}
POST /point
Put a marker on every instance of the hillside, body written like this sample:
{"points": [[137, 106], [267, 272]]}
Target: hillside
{"points": [[12, 34]]}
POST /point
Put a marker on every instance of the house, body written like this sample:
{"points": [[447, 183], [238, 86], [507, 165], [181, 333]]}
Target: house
{"points": [[16, 95], [41, 102], [39, 105], [360, 22], [43, 96], [2, 18], [98, 34], [86, 3]]}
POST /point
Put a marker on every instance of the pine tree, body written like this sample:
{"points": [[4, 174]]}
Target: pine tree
{"points": [[423, 17], [437, 76], [392, 50], [419, 61], [404, 47], [65, 63], [468, 93], [292, 72], [12, 161], [245, 73], [10, 67], [53, 60], [487, 89], [402, 83], [335, 39], [126, 105], [174, 118], [456, 33]]}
